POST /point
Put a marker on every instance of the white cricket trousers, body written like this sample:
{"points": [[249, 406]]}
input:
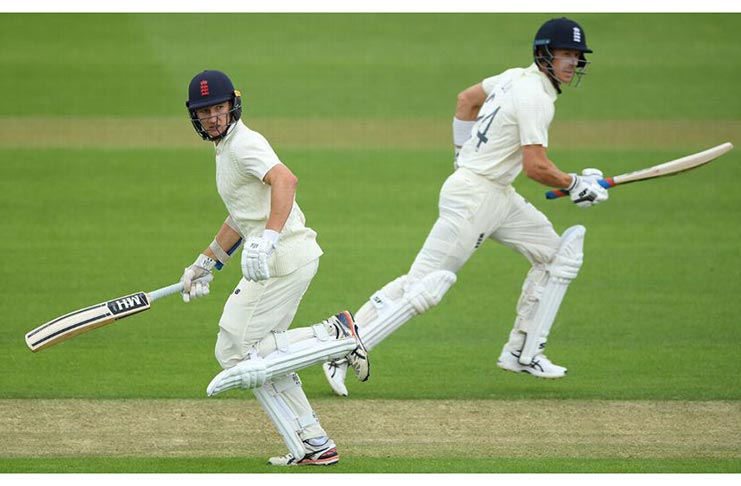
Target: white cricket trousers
{"points": [[473, 209], [251, 313], [255, 309]]}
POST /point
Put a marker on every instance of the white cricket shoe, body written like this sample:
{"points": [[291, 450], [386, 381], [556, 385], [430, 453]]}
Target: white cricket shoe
{"points": [[336, 371], [358, 357], [322, 454], [541, 366]]}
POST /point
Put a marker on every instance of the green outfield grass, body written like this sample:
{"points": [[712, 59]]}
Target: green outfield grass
{"points": [[652, 316], [645, 66]]}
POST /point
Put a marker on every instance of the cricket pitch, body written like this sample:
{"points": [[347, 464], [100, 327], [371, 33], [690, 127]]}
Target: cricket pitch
{"points": [[234, 427]]}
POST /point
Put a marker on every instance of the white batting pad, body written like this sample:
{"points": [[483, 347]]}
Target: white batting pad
{"points": [[254, 371], [387, 310], [289, 425], [560, 272]]}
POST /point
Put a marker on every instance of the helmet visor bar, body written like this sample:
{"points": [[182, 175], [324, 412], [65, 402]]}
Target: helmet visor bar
{"points": [[234, 113], [544, 57]]}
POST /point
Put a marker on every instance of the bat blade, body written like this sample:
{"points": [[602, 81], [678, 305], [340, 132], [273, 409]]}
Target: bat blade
{"points": [[86, 319], [674, 166], [666, 169]]}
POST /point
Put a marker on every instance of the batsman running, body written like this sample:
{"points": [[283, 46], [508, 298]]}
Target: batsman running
{"points": [[500, 129], [279, 259]]}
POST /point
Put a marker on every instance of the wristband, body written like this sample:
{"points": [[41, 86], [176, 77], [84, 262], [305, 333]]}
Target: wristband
{"points": [[221, 255], [271, 236], [462, 131], [574, 182], [220, 264]]}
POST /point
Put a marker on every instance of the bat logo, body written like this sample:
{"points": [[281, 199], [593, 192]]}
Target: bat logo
{"points": [[128, 303]]}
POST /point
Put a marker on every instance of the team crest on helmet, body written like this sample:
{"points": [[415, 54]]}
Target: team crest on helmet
{"points": [[577, 35], [204, 88]]}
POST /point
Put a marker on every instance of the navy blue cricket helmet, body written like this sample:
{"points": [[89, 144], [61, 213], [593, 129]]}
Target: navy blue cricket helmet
{"points": [[209, 88], [561, 33]]}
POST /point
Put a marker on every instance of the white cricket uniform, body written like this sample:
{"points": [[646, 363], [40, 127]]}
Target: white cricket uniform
{"points": [[255, 309], [478, 201], [243, 157]]}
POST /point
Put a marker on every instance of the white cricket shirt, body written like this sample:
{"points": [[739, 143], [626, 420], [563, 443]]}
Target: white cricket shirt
{"points": [[518, 111], [243, 157]]}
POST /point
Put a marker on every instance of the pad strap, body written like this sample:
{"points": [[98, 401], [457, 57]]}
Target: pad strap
{"points": [[306, 421], [320, 332], [281, 341]]}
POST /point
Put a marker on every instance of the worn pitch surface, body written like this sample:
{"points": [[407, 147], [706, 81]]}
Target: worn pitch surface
{"points": [[377, 428]]}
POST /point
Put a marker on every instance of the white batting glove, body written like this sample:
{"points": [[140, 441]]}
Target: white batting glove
{"points": [[200, 268], [596, 175], [256, 253], [593, 173], [585, 191]]}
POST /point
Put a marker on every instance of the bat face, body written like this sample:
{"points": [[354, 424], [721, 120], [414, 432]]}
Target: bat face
{"points": [[675, 166], [87, 319], [666, 169]]}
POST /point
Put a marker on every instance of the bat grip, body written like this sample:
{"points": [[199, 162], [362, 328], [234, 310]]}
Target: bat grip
{"points": [[174, 288], [556, 193]]}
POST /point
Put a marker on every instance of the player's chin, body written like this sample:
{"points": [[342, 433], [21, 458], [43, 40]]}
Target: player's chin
{"points": [[566, 77]]}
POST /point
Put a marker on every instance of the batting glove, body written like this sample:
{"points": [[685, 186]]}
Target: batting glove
{"points": [[585, 190], [256, 253], [200, 268]]}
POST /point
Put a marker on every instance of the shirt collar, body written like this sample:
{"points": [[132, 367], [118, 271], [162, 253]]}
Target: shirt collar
{"points": [[546, 80], [229, 133]]}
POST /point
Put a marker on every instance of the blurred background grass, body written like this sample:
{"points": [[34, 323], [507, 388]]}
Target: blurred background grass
{"points": [[645, 66]]}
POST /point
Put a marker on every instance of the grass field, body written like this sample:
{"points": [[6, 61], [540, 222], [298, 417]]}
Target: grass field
{"points": [[105, 189]]}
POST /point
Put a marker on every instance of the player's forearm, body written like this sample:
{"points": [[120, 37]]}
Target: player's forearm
{"points": [[226, 238], [549, 175], [467, 113], [538, 167]]}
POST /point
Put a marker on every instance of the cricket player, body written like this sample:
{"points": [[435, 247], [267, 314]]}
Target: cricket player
{"points": [[279, 259], [500, 129]]}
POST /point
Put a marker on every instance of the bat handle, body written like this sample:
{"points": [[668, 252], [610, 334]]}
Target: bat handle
{"points": [[606, 183], [556, 193], [174, 288]]}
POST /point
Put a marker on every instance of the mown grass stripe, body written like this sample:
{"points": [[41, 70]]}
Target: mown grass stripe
{"points": [[411, 133]]}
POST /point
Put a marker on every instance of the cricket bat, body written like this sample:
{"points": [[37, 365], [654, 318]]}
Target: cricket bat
{"points": [[93, 317], [667, 168]]}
